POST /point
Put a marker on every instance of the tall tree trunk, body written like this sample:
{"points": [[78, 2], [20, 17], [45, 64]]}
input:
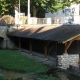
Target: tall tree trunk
{"points": [[34, 11]]}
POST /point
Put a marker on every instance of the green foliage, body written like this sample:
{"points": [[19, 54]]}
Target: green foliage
{"points": [[23, 19], [3, 6], [41, 77], [47, 5], [7, 6], [68, 2], [12, 60]]}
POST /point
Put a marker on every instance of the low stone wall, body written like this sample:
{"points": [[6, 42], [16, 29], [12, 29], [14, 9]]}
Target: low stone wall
{"points": [[65, 60], [7, 43]]}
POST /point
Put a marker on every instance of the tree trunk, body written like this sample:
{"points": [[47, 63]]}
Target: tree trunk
{"points": [[34, 11]]}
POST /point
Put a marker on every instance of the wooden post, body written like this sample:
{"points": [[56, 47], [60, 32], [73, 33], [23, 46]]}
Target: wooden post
{"points": [[19, 44], [45, 49], [67, 45], [30, 47]]}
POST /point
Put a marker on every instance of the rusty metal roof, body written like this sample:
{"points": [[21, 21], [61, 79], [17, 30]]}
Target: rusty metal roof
{"points": [[51, 33]]}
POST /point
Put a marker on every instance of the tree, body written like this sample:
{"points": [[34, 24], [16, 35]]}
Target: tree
{"points": [[7, 6], [68, 2], [44, 6], [37, 6], [3, 6]]}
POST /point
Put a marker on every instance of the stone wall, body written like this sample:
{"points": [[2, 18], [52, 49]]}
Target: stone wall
{"points": [[65, 60], [3, 35], [6, 42]]}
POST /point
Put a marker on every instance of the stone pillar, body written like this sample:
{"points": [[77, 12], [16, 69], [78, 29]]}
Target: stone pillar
{"points": [[63, 60], [10, 44], [48, 21]]}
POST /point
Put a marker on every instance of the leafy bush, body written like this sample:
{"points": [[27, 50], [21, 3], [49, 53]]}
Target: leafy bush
{"points": [[7, 19], [23, 19]]}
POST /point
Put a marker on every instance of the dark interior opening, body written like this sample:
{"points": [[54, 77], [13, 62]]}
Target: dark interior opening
{"points": [[1, 42], [24, 43], [53, 48], [74, 47], [38, 46]]}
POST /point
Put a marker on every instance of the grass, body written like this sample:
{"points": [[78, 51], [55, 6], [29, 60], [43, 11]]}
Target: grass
{"points": [[43, 77], [46, 77], [12, 60], [2, 78]]}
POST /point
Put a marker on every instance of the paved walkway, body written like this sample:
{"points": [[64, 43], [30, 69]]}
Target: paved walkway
{"points": [[38, 57]]}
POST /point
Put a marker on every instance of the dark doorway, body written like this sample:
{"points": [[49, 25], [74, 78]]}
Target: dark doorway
{"points": [[1, 42]]}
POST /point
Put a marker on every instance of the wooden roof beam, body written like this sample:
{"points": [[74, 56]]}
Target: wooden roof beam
{"points": [[77, 38], [67, 45]]}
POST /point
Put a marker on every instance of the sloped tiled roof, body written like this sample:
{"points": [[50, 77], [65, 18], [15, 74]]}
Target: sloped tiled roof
{"points": [[51, 33]]}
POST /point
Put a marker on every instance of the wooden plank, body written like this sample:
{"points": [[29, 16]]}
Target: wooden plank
{"points": [[67, 45]]}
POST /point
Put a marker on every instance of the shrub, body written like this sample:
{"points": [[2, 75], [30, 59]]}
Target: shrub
{"points": [[7, 19], [23, 19]]}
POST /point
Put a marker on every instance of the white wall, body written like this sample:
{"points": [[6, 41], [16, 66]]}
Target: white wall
{"points": [[58, 14], [61, 15]]}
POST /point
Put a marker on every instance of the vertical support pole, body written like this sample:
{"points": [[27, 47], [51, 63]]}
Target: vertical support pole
{"points": [[28, 11], [67, 45], [45, 51], [19, 44], [19, 13], [30, 47], [19, 7], [56, 56], [45, 48]]}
